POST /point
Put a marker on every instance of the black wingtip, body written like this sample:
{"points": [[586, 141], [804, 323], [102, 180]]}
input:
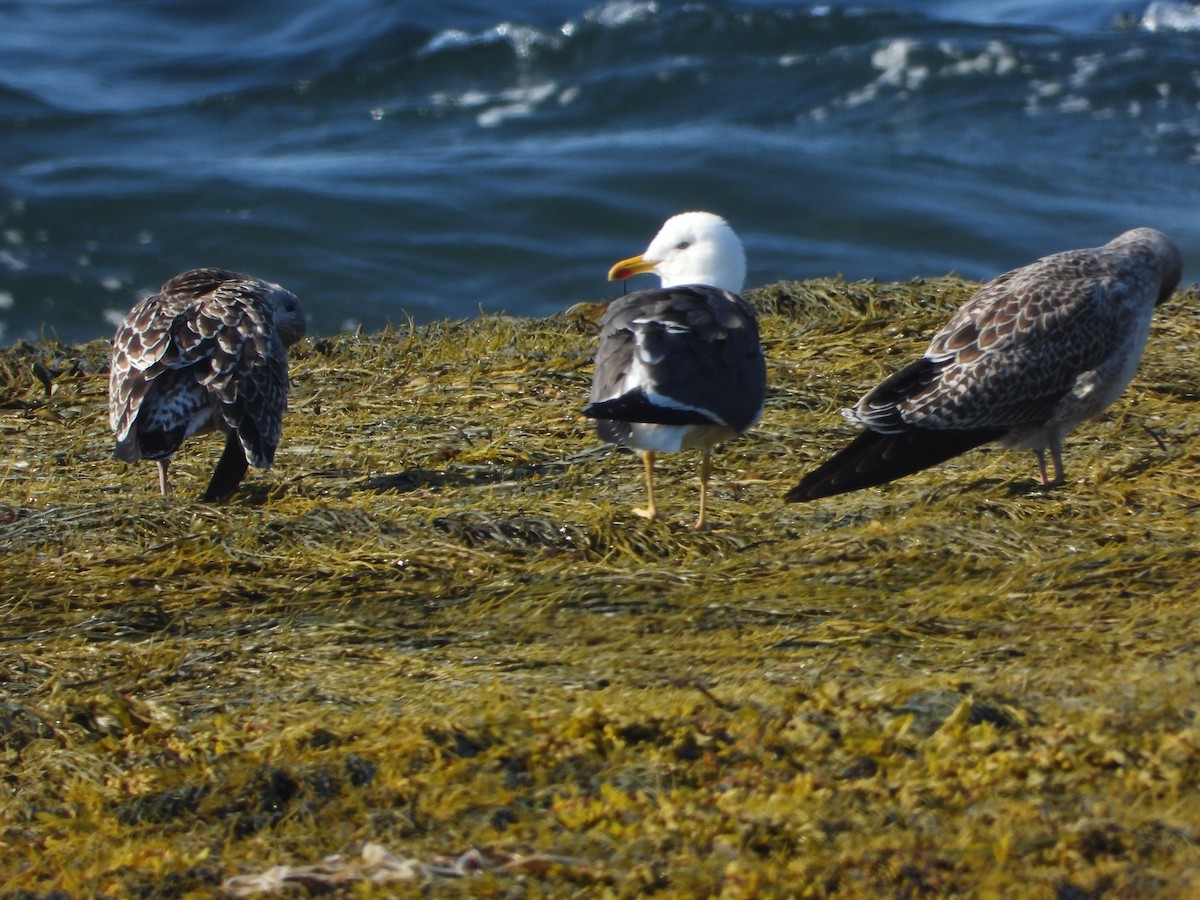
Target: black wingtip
{"points": [[873, 458], [635, 406], [230, 470]]}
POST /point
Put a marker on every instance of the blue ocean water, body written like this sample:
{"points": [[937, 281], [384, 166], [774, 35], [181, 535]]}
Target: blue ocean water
{"points": [[434, 159]]}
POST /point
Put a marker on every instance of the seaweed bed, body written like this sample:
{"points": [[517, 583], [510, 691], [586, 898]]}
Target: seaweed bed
{"points": [[433, 651]]}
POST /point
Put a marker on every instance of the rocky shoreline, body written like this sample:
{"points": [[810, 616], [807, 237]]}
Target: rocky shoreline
{"points": [[435, 643]]}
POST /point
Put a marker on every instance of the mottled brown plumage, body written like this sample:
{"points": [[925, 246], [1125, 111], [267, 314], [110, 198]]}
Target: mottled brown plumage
{"points": [[1031, 355], [208, 351]]}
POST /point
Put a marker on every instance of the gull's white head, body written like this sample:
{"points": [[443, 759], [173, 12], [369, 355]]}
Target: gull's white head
{"points": [[691, 248]]}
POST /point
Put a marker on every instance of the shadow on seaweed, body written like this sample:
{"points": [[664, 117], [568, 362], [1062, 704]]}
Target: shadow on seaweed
{"points": [[429, 479], [136, 620], [931, 710], [476, 529]]}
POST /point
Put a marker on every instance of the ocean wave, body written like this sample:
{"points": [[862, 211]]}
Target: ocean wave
{"points": [[523, 39], [432, 156]]}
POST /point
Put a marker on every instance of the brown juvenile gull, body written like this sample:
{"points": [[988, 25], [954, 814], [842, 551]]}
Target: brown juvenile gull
{"points": [[680, 366], [1031, 355], [208, 351]]}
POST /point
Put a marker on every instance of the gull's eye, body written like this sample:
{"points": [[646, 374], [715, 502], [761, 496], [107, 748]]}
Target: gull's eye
{"points": [[683, 245]]}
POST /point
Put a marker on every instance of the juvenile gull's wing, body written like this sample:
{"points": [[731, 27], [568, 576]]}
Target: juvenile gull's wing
{"points": [[1011, 353], [207, 337], [1040, 347]]}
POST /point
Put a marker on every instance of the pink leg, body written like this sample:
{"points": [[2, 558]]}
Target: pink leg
{"points": [[1056, 453], [1056, 458], [1041, 458]]}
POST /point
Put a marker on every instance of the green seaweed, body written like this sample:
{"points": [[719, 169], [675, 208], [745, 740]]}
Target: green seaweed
{"points": [[435, 642]]}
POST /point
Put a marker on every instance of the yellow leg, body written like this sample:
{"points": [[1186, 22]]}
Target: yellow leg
{"points": [[163, 484], [651, 511], [705, 471]]}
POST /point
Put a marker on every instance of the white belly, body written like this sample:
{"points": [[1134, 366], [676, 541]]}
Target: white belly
{"points": [[673, 438]]}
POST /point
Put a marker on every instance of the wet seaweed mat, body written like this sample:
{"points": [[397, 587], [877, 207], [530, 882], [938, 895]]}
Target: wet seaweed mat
{"points": [[434, 650]]}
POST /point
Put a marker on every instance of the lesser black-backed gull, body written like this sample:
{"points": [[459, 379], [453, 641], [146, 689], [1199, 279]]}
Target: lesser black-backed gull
{"points": [[1031, 355], [208, 351], [680, 366]]}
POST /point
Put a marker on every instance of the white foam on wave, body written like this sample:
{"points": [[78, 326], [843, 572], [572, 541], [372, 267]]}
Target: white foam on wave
{"points": [[618, 13], [466, 99], [516, 103], [901, 67], [1168, 15], [522, 39], [495, 108], [894, 61], [1086, 69], [997, 58], [1069, 93], [904, 66]]}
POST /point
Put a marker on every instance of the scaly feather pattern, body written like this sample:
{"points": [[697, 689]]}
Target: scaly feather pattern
{"points": [[1031, 355], [208, 351]]}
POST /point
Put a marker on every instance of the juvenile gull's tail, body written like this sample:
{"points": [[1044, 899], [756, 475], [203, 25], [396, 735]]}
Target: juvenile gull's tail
{"points": [[875, 458]]}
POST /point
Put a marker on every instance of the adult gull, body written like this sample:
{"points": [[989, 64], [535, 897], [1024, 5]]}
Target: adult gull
{"points": [[680, 366]]}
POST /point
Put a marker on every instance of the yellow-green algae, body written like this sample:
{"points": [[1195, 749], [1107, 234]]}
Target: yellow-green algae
{"points": [[437, 627]]}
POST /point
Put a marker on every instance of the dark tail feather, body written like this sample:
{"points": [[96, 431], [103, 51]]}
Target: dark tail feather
{"points": [[873, 458], [230, 470], [151, 444], [635, 406]]}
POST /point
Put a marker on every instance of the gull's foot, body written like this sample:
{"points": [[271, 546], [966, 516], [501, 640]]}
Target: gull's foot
{"points": [[650, 513]]}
